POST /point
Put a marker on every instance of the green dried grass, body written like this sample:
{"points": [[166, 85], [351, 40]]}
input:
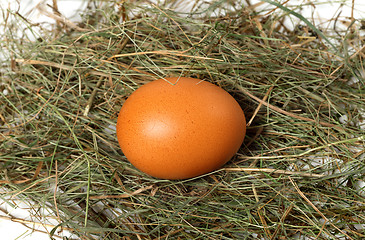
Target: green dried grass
{"points": [[47, 140]]}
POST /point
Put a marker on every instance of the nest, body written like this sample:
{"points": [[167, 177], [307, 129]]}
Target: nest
{"points": [[302, 91]]}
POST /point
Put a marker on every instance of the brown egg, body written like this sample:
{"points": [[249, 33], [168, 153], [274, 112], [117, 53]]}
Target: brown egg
{"points": [[178, 128]]}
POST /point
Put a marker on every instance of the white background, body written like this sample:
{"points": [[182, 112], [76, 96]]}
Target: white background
{"points": [[20, 209]]}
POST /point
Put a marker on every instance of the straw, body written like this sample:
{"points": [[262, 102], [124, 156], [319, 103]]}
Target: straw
{"points": [[296, 174]]}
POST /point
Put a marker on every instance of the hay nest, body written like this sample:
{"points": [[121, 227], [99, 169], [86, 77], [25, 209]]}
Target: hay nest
{"points": [[302, 91]]}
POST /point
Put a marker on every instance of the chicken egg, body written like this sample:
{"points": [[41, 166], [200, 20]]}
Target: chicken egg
{"points": [[179, 128]]}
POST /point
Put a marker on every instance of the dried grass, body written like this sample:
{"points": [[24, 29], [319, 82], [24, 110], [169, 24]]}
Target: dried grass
{"points": [[296, 172]]}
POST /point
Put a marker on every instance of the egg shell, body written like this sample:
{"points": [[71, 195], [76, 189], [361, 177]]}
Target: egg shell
{"points": [[179, 128]]}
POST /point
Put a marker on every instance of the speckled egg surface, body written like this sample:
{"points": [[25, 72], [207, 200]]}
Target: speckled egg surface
{"points": [[179, 128]]}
